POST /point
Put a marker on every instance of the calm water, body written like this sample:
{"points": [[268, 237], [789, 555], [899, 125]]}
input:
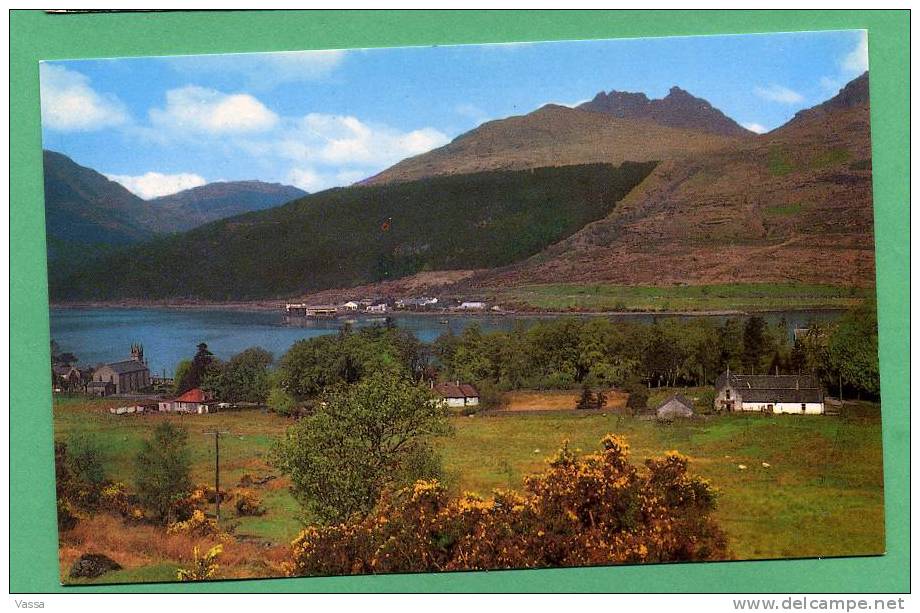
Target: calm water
{"points": [[99, 335]]}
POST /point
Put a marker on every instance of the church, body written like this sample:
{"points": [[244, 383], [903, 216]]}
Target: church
{"points": [[125, 377]]}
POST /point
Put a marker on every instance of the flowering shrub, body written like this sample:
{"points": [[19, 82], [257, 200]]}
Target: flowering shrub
{"points": [[590, 510], [114, 498], [248, 503], [203, 566], [197, 525]]}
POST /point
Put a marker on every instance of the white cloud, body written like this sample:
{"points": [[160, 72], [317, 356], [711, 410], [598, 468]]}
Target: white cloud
{"points": [[155, 184], [264, 70], [312, 180], [830, 85], [347, 141], [194, 109], [856, 61], [755, 127], [778, 93], [70, 104]]}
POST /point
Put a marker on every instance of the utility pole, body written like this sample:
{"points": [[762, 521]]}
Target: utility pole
{"points": [[216, 434]]}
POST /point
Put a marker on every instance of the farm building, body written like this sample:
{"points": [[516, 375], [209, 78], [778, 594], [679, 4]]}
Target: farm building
{"points": [[457, 395], [377, 308], [350, 306], [472, 305], [127, 376], [318, 311], [194, 400], [674, 407], [799, 394]]}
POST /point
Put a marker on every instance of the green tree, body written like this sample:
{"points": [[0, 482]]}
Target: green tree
{"points": [[161, 470], [853, 351], [638, 397], [755, 345], [183, 380], [280, 400], [244, 378], [586, 400], [362, 439]]}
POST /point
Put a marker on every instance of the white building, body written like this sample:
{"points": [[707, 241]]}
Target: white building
{"points": [[457, 395], [351, 305], [796, 394], [377, 308], [473, 306]]}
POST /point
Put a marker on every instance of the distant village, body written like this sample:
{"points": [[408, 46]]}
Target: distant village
{"points": [[381, 306]]}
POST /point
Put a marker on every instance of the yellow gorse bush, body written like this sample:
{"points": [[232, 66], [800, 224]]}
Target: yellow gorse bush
{"points": [[203, 566], [591, 510], [197, 525]]}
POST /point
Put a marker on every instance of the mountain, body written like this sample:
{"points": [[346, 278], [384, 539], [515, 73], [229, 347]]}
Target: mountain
{"points": [[555, 136], [199, 205], [854, 94], [679, 109], [793, 205], [364, 234], [84, 207]]}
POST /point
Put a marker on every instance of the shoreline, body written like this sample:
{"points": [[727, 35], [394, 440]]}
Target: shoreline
{"points": [[273, 305]]}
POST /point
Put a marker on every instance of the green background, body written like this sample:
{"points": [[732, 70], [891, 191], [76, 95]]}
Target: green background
{"points": [[35, 36]]}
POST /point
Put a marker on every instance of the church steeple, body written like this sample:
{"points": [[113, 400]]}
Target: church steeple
{"points": [[137, 352]]}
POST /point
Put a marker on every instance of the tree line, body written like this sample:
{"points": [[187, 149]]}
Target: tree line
{"points": [[563, 353]]}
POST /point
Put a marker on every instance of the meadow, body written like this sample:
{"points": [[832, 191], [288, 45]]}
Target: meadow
{"points": [[684, 298], [810, 486]]}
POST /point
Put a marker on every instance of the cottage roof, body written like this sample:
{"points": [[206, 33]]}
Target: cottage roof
{"points": [[456, 390], [126, 366], [194, 395], [679, 398], [63, 370], [774, 388]]}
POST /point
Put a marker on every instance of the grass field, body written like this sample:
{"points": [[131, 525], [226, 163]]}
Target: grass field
{"points": [[821, 494], [556, 400], [734, 297]]}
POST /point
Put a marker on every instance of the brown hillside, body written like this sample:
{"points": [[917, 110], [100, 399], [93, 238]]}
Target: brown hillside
{"points": [[554, 136], [794, 205]]}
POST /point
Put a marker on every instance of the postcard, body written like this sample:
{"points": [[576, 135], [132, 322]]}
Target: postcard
{"points": [[472, 307]]}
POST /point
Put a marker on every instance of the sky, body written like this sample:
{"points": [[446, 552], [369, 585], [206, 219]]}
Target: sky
{"points": [[320, 119]]}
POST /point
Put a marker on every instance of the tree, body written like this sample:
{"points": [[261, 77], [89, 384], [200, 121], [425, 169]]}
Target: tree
{"points": [[361, 439], [281, 401], [638, 397], [600, 400], [852, 351], [244, 378], [161, 471], [586, 400], [183, 379], [755, 344]]}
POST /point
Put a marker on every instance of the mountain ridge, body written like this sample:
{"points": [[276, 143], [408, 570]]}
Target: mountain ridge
{"points": [[679, 109], [553, 135], [84, 207]]}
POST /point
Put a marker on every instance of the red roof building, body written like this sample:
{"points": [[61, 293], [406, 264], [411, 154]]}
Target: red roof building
{"points": [[196, 394], [195, 400]]}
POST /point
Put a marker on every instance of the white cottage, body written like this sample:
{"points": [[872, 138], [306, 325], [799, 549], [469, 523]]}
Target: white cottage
{"points": [[796, 394], [457, 395]]}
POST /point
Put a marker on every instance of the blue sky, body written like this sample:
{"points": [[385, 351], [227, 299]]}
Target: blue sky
{"points": [[321, 119]]}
